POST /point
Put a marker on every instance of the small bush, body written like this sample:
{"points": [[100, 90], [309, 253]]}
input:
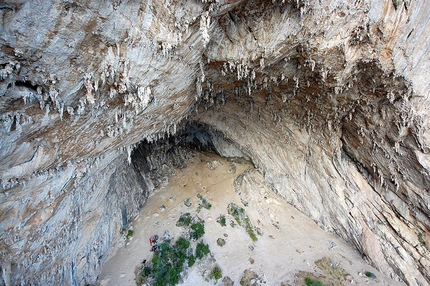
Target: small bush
{"points": [[184, 220], [311, 282], [202, 250], [237, 212], [180, 249], [168, 262], [242, 219], [204, 203], [221, 220], [422, 242], [197, 230], [171, 258], [129, 233], [207, 205], [191, 260], [250, 230], [146, 271], [216, 273]]}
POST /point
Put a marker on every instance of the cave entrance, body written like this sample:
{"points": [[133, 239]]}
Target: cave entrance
{"points": [[248, 232], [158, 159]]}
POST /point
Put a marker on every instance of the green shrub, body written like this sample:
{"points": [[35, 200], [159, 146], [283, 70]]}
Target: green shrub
{"points": [[197, 230], [204, 203], [311, 282], [168, 262], [129, 233], [146, 271], [158, 268], [184, 220], [216, 273], [242, 219], [236, 211], [422, 242], [207, 205], [191, 260], [180, 248], [221, 220], [170, 259], [202, 250], [250, 230]]}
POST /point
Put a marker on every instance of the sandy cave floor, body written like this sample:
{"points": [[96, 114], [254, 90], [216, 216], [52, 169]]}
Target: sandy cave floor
{"points": [[284, 253]]}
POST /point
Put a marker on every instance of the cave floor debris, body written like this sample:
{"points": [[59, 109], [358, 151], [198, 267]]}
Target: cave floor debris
{"points": [[288, 245]]}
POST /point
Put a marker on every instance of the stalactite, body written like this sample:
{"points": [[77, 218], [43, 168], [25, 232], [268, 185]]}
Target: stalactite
{"points": [[205, 21]]}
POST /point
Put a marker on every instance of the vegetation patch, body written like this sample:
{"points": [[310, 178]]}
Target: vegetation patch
{"points": [[129, 234], [202, 250], [422, 242], [167, 264], [242, 219], [191, 260], [309, 279], [221, 220], [204, 203], [216, 273], [197, 230], [238, 183], [334, 275], [171, 259], [184, 220], [311, 282]]}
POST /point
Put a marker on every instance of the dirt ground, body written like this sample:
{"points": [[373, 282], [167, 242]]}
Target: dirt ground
{"points": [[289, 248]]}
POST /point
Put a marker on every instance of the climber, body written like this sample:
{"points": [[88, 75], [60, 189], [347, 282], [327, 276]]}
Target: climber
{"points": [[153, 240]]}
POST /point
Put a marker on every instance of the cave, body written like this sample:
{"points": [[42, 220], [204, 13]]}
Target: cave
{"points": [[329, 100]]}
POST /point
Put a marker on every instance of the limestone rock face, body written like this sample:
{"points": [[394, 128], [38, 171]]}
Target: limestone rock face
{"points": [[329, 98]]}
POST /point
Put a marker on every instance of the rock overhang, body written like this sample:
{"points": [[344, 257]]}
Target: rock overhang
{"points": [[83, 85]]}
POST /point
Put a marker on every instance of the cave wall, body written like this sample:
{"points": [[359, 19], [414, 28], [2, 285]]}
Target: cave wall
{"points": [[329, 98], [336, 127], [314, 172], [60, 225], [81, 83]]}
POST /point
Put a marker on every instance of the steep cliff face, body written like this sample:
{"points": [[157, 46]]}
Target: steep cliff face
{"points": [[329, 99]]}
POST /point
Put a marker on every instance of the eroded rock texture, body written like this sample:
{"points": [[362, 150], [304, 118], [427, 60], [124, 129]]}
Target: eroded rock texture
{"points": [[328, 98]]}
